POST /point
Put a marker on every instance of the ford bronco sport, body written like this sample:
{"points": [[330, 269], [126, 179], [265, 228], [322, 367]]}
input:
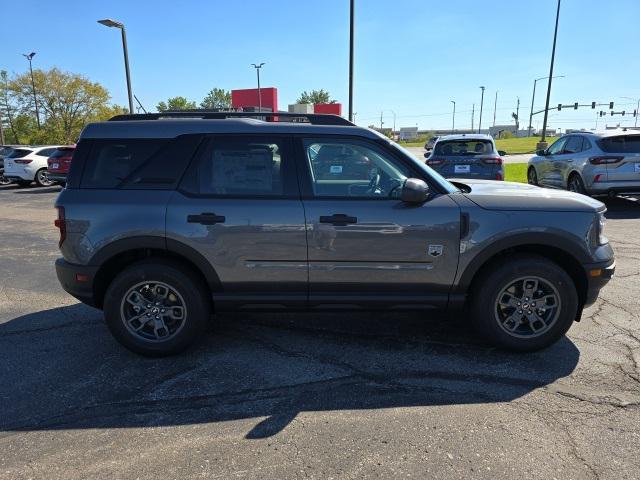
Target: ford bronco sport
{"points": [[170, 217]]}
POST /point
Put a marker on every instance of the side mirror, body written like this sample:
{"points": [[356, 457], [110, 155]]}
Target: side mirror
{"points": [[414, 190], [502, 153], [541, 153], [427, 155]]}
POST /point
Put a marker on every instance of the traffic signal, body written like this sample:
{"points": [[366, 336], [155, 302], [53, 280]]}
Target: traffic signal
{"points": [[575, 106], [610, 105], [602, 113], [559, 106], [593, 104], [635, 113], [623, 113]]}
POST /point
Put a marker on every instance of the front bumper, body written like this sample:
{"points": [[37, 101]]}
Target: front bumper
{"points": [[598, 275], [77, 280]]}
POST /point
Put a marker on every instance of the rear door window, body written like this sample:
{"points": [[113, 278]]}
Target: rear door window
{"points": [[573, 145], [621, 144], [45, 152], [241, 166]]}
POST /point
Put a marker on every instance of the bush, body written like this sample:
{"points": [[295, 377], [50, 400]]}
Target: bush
{"points": [[506, 134]]}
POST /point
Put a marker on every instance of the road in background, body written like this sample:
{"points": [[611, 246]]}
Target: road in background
{"points": [[369, 395]]}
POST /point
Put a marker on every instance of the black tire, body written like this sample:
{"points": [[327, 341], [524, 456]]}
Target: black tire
{"points": [[532, 176], [575, 184], [183, 281], [486, 312]]}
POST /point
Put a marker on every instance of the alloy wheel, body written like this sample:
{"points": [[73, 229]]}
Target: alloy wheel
{"points": [[527, 307], [43, 178], [153, 311]]}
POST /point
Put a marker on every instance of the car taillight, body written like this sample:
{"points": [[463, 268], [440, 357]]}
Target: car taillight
{"points": [[498, 176], [604, 160], [23, 160], [61, 224], [492, 160], [435, 161], [597, 178]]}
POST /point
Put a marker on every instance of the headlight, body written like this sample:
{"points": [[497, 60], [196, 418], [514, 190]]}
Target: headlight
{"points": [[602, 239]]}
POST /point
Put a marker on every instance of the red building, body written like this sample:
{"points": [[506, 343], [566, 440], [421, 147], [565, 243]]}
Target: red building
{"points": [[334, 108], [249, 98]]}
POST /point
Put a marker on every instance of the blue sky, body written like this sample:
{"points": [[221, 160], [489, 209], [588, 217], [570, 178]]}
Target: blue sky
{"points": [[412, 56]]}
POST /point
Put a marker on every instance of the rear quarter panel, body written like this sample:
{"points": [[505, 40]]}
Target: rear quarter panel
{"points": [[98, 218]]}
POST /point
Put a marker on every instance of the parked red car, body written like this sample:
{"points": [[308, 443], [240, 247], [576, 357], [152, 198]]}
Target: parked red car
{"points": [[58, 164]]}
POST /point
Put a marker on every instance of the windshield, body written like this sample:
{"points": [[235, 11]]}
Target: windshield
{"points": [[461, 148], [435, 176]]}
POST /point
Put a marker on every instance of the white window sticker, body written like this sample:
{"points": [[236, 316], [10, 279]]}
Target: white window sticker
{"points": [[336, 169]]}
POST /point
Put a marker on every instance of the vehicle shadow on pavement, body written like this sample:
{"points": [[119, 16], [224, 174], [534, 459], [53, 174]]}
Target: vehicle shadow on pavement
{"points": [[61, 369], [38, 190], [621, 208]]}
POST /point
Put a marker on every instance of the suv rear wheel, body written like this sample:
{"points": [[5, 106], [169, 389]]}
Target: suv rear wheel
{"points": [[576, 184], [532, 176], [525, 303], [42, 178], [156, 308]]}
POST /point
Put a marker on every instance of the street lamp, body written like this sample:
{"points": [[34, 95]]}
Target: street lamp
{"points": [[533, 97], [637, 109], [351, 40], [29, 56], [553, 57], [453, 124], [258, 67], [107, 22], [481, 103]]}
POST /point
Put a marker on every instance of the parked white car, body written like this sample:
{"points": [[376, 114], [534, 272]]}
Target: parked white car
{"points": [[29, 164]]}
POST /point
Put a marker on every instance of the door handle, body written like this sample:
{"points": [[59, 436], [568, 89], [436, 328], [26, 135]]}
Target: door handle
{"points": [[338, 219], [206, 218]]}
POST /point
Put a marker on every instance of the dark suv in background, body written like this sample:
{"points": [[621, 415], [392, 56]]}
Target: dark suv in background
{"points": [[166, 220]]}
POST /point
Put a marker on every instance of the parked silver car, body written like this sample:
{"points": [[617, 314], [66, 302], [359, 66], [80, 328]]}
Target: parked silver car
{"points": [[590, 163]]}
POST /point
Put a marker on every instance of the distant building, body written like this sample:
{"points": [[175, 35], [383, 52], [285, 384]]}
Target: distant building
{"points": [[408, 133]]}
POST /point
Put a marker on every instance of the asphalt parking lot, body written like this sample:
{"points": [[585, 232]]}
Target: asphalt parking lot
{"points": [[308, 395]]}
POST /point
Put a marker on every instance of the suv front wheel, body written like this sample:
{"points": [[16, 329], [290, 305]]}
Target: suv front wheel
{"points": [[156, 307], [524, 303]]}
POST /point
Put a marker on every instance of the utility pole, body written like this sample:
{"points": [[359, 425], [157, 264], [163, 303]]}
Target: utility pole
{"points": [[543, 144], [518, 115], [351, 38], [495, 105], [29, 56], [380, 121], [453, 125], [481, 104], [1, 131], [473, 111], [258, 67]]}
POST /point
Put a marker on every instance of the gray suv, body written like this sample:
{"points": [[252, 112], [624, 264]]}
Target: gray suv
{"points": [[466, 156], [590, 163], [167, 220]]}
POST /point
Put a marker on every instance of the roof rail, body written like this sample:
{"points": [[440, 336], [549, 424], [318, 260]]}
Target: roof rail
{"points": [[312, 118]]}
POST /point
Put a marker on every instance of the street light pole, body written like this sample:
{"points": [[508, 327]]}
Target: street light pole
{"points": [[107, 22], [258, 67], [495, 106], [481, 104], [453, 123], [533, 97], [351, 40], [473, 112], [30, 56], [553, 56]]}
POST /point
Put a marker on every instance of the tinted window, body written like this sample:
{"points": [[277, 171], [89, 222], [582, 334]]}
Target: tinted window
{"points": [[19, 153], [621, 144], [351, 168], [138, 163], [557, 146], [573, 145], [45, 152], [62, 152], [461, 148], [238, 166]]}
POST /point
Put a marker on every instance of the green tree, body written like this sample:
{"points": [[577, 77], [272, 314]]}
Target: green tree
{"points": [[314, 97], [176, 103], [217, 98], [67, 102], [9, 110]]}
